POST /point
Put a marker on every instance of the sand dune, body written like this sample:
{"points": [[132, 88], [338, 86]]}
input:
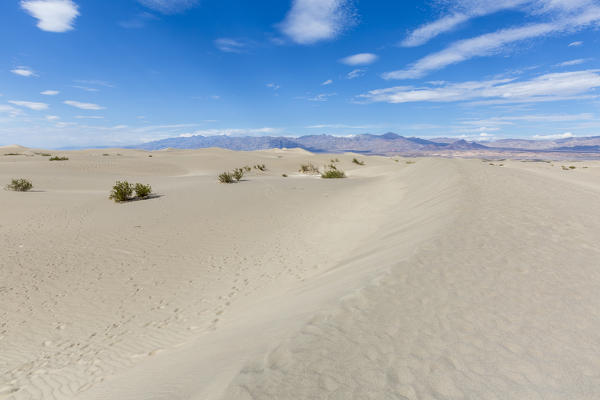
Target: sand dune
{"points": [[439, 279]]}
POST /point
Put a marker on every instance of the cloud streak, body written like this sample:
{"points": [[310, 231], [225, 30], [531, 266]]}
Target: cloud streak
{"points": [[548, 87], [83, 106], [23, 71], [169, 6], [359, 59], [32, 105]]}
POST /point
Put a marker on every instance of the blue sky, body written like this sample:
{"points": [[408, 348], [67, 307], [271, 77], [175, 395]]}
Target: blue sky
{"points": [[118, 72]]}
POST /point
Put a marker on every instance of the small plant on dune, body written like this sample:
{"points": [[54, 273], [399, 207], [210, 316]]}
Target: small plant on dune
{"points": [[57, 158], [45, 154], [260, 167], [358, 162], [20, 185], [333, 174], [121, 191], [572, 167], [334, 160], [411, 162], [142, 191], [105, 154], [332, 166], [308, 169], [149, 155], [247, 168], [226, 177], [12, 154], [238, 174], [284, 175]]}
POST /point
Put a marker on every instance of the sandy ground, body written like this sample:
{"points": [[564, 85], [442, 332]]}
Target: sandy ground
{"points": [[438, 279]]}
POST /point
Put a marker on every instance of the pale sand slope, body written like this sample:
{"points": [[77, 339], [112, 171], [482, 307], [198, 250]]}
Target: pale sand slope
{"points": [[438, 280]]}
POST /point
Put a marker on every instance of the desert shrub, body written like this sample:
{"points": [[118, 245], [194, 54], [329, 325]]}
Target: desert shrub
{"points": [[331, 166], [45, 154], [226, 177], [358, 162], [260, 167], [238, 174], [334, 160], [142, 191], [121, 191], [105, 154], [20, 185], [149, 155], [572, 167], [333, 174], [247, 168], [12, 154], [284, 175], [309, 169], [411, 162], [57, 158]]}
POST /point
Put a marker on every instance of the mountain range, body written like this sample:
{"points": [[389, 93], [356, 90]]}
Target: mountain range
{"points": [[386, 144]]}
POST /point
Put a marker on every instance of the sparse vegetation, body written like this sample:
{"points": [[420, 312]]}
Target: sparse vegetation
{"points": [[308, 169], [45, 154], [142, 191], [260, 167], [284, 175], [334, 160], [121, 191], [238, 174], [20, 185], [358, 162], [247, 168], [331, 166], [333, 174], [226, 177], [411, 162], [105, 154], [570, 167], [13, 154], [149, 155], [57, 158]]}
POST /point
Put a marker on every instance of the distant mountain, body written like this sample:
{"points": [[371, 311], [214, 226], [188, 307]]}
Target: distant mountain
{"points": [[368, 144]]}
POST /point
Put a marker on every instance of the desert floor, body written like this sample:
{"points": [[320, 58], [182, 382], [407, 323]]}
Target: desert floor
{"points": [[423, 278]]}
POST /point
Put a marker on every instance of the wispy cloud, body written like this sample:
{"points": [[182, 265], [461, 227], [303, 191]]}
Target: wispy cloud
{"points": [[94, 82], [32, 105], [52, 117], [52, 15], [230, 45], [327, 82], [359, 59], [23, 71], [311, 21], [10, 110], [273, 86], [89, 117], [138, 21], [549, 87], [169, 6], [232, 132], [356, 73], [575, 15], [50, 92], [571, 62], [87, 89], [321, 97], [83, 106], [575, 44]]}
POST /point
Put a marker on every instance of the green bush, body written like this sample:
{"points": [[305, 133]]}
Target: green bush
{"points": [[333, 174], [121, 191], [358, 162], [284, 175], [142, 191], [309, 169], [226, 177], [247, 168], [56, 158], [260, 167], [238, 174], [20, 185]]}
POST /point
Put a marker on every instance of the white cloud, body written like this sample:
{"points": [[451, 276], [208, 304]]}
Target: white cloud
{"points": [[89, 117], [83, 106], [571, 62], [549, 87], [87, 89], [427, 32], [230, 45], [52, 117], [29, 104], [231, 132], [273, 86], [356, 73], [575, 44], [359, 59], [565, 135], [23, 71], [52, 15], [311, 21], [321, 97], [579, 15], [169, 6], [50, 92], [327, 82], [95, 82], [13, 112]]}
